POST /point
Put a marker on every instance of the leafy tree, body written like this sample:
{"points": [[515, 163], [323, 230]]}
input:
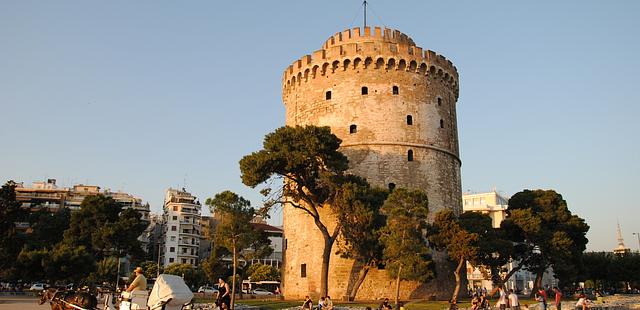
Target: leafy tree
{"points": [[214, 266], [260, 272], [150, 269], [31, 264], [358, 209], [47, 227], [194, 277], [448, 232], [405, 251], [234, 230], [67, 262], [104, 228], [541, 221], [307, 160], [10, 240], [106, 270]]}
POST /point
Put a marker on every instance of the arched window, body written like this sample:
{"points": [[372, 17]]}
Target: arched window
{"points": [[441, 123], [327, 95], [396, 90], [410, 155], [353, 128], [392, 186], [409, 120], [365, 90]]}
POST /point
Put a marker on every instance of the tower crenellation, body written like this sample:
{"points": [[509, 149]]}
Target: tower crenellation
{"points": [[389, 49]]}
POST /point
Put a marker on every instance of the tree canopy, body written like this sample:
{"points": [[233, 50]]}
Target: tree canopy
{"points": [[307, 161], [235, 232], [10, 240], [102, 227], [358, 209], [406, 254], [553, 236], [450, 233]]}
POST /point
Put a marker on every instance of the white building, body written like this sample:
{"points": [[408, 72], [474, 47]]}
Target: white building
{"points": [[495, 206], [181, 229]]}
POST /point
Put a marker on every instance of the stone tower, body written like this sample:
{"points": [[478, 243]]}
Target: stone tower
{"points": [[393, 104]]}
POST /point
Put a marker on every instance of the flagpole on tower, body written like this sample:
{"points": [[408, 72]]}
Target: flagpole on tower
{"points": [[364, 4]]}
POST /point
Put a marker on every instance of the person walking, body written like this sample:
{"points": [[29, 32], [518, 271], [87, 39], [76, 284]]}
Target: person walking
{"points": [[541, 297], [558, 298], [224, 297], [514, 303], [502, 299]]}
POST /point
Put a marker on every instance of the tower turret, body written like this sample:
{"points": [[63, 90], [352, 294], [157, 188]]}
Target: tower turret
{"points": [[393, 104]]}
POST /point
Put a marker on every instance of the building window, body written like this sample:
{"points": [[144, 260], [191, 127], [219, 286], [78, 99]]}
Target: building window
{"points": [[175, 208], [365, 90], [409, 120], [171, 259], [184, 250], [327, 95], [392, 186], [184, 260], [410, 155], [173, 228], [175, 218], [441, 123], [173, 238], [303, 270], [172, 249], [439, 101], [396, 90], [353, 129]]}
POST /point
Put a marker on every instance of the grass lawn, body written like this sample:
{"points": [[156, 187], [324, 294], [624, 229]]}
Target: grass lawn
{"points": [[271, 304]]}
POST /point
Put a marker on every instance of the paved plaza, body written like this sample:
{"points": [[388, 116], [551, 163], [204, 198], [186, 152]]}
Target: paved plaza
{"points": [[21, 303]]}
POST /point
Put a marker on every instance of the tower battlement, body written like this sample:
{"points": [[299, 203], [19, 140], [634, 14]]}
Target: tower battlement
{"points": [[389, 50]]}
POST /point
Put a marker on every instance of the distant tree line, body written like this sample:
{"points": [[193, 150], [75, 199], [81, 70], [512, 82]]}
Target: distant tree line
{"points": [[611, 272], [65, 246]]}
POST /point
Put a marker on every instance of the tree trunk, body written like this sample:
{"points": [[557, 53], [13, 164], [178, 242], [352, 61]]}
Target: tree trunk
{"points": [[398, 288], [326, 255], [324, 272], [361, 276], [233, 280], [537, 284], [456, 273]]}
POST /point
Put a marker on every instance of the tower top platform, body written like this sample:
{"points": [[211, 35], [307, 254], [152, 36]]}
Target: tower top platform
{"points": [[367, 34]]}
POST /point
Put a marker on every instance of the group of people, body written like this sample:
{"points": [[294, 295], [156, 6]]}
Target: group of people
{"points": [[479, 300], [324, 303]]}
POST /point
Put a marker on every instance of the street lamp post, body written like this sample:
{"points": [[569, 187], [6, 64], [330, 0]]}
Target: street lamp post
{"points": [[638, 235]]}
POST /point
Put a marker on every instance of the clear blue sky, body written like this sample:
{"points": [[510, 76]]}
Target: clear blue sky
{"points": [[136, 95]]}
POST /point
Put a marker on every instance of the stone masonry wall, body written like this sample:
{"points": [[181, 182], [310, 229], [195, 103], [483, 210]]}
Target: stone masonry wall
{"points": [[409, 107]]}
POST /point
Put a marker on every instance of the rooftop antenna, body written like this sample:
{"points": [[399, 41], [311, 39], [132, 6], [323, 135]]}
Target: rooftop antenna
{"points": [[364, 4], [184, 182]]}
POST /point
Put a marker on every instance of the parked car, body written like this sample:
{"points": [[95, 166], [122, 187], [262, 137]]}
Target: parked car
{"points": [[261, 291], [207, 290], [37, 287]]}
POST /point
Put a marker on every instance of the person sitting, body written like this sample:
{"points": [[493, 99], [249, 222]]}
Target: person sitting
{"points": [[139, 283], [384, 305], [308, 303]]}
